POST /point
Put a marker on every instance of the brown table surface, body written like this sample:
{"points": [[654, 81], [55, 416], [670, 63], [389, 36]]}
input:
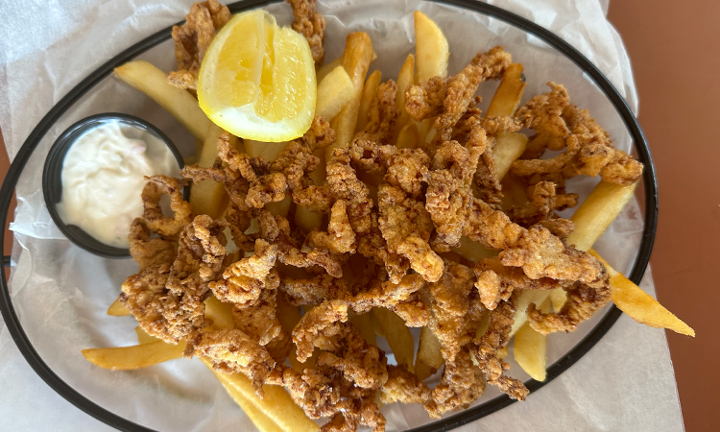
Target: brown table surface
{"points": [[675, 54]]}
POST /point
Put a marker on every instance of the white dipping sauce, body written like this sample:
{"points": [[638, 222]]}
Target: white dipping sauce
{"points": [[103, 177]]}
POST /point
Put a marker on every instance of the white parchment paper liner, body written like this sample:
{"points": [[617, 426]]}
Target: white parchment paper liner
{"points": [[60, 292]]}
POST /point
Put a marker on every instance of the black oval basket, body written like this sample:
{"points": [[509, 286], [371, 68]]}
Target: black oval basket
{"points": [[471, 414]]}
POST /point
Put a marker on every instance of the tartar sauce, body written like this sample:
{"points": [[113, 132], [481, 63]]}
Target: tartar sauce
{"points": [[103, 177]]}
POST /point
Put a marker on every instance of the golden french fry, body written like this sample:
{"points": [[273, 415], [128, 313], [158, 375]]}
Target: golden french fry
{"points": [[502, 352], [429, 349], [408, 137], [558, 297], [209, 197], [530, 348], [327, 68], [181, 104], [639, 305], [364, 323], [431, 48], [258, 417], [473, 251], [368, 95], [526, 297], [356, 61], [280, 208], [268, 151], [509, 147], [597, 212], [508, 94], [276, 404], [406, 78], [398, 336], [288, 314], [117, 308], [219, 313], [422, 370], [307, 219], [134, 357], [144, 337], [333, 93]]}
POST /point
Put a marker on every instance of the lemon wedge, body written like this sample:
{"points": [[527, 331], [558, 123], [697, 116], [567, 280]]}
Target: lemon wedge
{"points": [[257, 80]]}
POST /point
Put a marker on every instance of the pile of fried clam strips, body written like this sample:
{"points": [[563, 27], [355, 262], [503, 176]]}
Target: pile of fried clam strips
{"points": [[393, 273]]}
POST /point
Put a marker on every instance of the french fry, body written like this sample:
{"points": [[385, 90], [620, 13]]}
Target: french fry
{"points": [[429, 349], [597, 212], [364, 323], [530, 348], [288, 314], [356, 61], [398, 336], [509, 92], [558, 297], [261, 421], [268, 151], [219, 313], [135, 356], [307, 219], [280, 208], [526, 297], [431, 48], [209, 197], [144, 337], [327, 68], [333, 93], [368, 94], [408, 137], [181, 104], [639, 305], [509, 147], [473, 251], [117, 308], [406, 78], [422, 370], [276, 403]]}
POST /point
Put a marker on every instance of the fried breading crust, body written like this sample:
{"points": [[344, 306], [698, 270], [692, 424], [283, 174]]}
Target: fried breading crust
{"points": [[309, 23], [193, 38]]}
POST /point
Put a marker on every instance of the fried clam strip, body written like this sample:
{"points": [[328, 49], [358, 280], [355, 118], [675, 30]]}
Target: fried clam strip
{"points": [[325, 392], [153, 216], [543, 202], [343, 346], [451, 97], [587, 148], [455, 311], [193, 38], [403, 386], [233, 351], [404, 222], [583, 301], [276, 229], [297, 160], [461, 384], [496, 283], [167, 299], [487, 346], [350, 371], [401, 298], [244, 280], [314, 290], [147, 251], [449, 192], [259, 321], [309, 23]]}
